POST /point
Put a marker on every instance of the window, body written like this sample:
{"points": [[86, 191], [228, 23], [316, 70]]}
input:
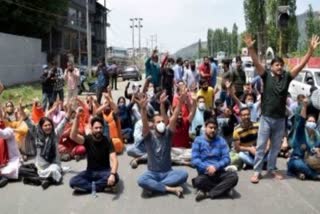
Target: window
{"points": [[72, 16], [299, 78]]}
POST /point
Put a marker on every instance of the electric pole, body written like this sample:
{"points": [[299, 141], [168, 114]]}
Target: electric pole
{"points": [[132, 27], [88, 37], [153, 39], [139, 26]]}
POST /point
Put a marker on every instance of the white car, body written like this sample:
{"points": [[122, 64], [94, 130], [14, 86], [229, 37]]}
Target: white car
{"points": [[302, 84]]}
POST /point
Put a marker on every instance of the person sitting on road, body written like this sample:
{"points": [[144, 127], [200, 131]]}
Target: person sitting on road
{"points": [[180, 151], [46, 142], [137, 150], [102, 162], [210, 156], [125, 119], [245, 137], [10, 169], [160, 177], [306, 146]]}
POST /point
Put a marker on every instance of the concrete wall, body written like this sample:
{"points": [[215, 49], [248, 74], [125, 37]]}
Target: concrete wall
{"points": [[21, 59]]}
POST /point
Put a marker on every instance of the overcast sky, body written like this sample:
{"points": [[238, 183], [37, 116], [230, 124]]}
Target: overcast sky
{"points": [[177, 23]]}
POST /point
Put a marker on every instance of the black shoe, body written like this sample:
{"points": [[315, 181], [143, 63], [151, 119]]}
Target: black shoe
{"points": [[201, 195], [45, 184], [3, 181], [146, 193], [32, 181], [231, 193]]}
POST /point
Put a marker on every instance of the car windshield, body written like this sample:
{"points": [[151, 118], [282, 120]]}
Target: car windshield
{"points": [[317, 78]]}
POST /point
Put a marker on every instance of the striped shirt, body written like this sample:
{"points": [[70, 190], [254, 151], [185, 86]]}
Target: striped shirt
{"points": [[246, 136]]}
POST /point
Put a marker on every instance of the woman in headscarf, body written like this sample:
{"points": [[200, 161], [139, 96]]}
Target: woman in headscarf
{"points": [[46, 140]]}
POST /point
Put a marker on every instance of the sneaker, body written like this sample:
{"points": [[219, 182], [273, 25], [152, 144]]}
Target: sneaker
{"points": [[3, 181], [231, 168], [201, 195], [134, 164], [113, 189], [65, 157], [32, 181], [77, 158], [146, 193], [231, 193]]}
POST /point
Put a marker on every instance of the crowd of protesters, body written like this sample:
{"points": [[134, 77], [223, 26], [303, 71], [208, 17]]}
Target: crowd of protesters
{"points": [[214, 120]]}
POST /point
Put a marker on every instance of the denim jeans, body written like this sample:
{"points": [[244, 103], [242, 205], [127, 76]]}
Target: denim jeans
{"points": [[224, 97], [47, 99], [157, 181], [296, 166], [247, 158], [85, 178], [137, 150], [273, 129]]}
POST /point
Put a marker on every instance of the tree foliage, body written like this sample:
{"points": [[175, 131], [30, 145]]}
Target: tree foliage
{"points": [[31, 18]]}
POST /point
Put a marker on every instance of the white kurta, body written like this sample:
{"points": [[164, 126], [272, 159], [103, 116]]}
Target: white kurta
{"points": [[11, 170]]}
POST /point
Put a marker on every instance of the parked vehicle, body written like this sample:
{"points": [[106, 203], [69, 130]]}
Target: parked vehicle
{"points": [[304, 81], [131, 72]]}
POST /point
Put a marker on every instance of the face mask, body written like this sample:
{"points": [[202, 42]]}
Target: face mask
{"points": [[250, 104], [202, 106], [311, 125], [161, 127], [150, 92]]}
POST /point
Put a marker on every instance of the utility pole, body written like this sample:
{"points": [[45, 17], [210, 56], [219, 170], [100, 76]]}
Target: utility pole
{"points": [[139, 26], [153, 39], [132, 27], [88, 37], [106, 25]]}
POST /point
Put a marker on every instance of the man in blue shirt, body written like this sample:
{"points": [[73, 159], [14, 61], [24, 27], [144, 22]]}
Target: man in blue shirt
{"points": [[210, 155], [214, 69]]}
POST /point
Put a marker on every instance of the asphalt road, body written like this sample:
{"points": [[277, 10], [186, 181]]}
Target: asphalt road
{"points": [[269, 196]]}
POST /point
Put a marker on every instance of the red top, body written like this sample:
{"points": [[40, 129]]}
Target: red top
{"points": [[184, 107], [205, 70], [181, 138]]}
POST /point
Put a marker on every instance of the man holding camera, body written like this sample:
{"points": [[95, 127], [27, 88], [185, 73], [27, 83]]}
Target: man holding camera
{"points": [[71, 76]]}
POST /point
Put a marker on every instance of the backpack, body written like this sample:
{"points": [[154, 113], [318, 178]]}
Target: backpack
{"points": [[4, 157]]}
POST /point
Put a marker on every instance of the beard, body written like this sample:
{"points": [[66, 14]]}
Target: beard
{"points": [[97, 135], [211, 136]]}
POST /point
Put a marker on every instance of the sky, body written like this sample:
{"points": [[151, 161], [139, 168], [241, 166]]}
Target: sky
{"points": [[177, 23]]}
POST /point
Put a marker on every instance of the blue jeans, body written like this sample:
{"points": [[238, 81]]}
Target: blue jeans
{"points": [[224, 97], [137, 150], [85, 178], [157, 181], [247, 158], [296, 166], [46, 98], [273, 129]]}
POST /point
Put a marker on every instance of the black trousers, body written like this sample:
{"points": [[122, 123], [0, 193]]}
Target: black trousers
{"points": [[218, 184], [114, 79]]}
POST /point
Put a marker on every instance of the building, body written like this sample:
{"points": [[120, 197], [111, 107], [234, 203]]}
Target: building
{"points": [[69, 38]]}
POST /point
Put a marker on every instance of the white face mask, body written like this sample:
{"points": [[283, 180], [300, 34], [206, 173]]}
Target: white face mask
{"points": [[150, 92], [202, 106], [311, 125], [161, 127], [250, 104]]}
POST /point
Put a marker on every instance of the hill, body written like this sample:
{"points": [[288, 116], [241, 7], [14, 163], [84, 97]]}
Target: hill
{"points": [[190, 51]]}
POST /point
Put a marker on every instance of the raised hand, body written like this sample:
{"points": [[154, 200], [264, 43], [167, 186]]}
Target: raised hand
{"points": [[163, 97], [142, 101], [248, 40], [314, 42]]}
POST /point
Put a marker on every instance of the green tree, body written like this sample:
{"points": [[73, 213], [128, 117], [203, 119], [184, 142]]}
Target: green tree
{"points": [[310, 23], [31, 18], [210, 41], [234, 39]]}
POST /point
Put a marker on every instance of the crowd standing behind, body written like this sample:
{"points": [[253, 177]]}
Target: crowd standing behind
{"points": [[175, 118]]}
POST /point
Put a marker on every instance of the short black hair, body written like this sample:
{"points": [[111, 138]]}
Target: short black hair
{"points": [[277, 59], [244, 109], [179, 60], [96, 119], [200, 97], [171, 60], [211, 120], [238, 59]]}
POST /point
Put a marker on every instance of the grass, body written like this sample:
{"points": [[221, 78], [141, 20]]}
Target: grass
{"points": [[26, 92]]}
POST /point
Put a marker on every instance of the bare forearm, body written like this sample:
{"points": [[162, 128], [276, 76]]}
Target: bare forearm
{"points": [[74, 129], [256, 61]]}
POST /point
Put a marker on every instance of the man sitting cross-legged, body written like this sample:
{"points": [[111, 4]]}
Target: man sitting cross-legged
{"points": [[102, 162], [160, 177], [210, 155]]}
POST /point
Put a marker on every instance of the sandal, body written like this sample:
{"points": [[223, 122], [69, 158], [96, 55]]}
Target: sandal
{"points": [[255, 179], [302, 176]]}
